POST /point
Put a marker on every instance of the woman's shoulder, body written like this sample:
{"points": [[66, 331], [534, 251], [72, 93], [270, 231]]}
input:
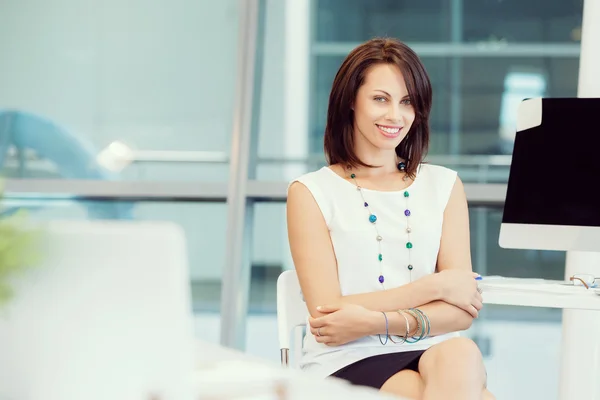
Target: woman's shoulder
{"points": [[439, 181], [319, 185], [319, 177], [437, 172], [323, 183]]}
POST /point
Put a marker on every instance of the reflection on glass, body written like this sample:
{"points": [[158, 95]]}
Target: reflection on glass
{"points": [[491, 89], [522, 21], [357, 20], [507, 21], [485, 228], [519, 84]]}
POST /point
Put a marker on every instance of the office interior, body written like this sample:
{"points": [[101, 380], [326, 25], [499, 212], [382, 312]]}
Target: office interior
{"points": [[199, 113]]}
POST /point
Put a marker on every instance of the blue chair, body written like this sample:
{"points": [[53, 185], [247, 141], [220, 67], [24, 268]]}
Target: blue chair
{"points": [[73, 158]]}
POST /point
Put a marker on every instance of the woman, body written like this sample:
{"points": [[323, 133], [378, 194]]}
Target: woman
{"points": [[380, 240]]}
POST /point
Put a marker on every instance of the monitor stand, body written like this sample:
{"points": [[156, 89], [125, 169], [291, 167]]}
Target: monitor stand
{"points": [[580, 351]]}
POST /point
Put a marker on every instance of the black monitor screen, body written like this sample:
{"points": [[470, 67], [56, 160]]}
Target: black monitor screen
{"points": [[555, 172]]}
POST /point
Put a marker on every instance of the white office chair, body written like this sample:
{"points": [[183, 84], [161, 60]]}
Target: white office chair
{"points": [[291, 315]]}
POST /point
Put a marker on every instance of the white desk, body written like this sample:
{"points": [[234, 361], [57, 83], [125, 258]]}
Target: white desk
{"points": [[576, 367], [532, 294]]}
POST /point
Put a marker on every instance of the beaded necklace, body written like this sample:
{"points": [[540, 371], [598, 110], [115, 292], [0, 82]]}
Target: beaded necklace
{"points": [[378, 237]]}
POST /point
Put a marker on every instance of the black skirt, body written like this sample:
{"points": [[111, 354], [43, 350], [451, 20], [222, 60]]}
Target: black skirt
{"points": [[375, 371]]}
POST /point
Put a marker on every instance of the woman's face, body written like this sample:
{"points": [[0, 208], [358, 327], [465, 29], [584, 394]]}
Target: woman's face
{"points": [[383, 113]]}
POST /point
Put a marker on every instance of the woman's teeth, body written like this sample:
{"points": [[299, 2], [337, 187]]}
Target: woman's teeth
{"points": [[391, 131]]}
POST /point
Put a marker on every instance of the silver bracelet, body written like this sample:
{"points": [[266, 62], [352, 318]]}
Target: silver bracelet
{"points": [[407, 330]]}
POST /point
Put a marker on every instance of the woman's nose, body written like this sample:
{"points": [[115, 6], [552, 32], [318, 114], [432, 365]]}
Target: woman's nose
{"points": [[393, 113]]}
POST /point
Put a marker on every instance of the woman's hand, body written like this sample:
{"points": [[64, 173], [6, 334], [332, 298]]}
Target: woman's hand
{"points": [[343, 323], [459, 288]]}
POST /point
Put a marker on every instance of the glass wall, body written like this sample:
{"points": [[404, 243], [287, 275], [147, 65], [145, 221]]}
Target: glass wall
{"points": [[125, 100], [90, 87]]}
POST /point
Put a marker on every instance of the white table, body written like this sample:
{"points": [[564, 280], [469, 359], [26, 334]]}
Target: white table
{"points": [[531, 294], [579, 369]]}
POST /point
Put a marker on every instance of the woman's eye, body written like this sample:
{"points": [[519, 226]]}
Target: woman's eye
{"points": [[380, 99], [406, 102]]}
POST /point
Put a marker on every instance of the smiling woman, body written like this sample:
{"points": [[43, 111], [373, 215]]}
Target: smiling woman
{"points": [[379, 91], [380, 240], [383, 119]]}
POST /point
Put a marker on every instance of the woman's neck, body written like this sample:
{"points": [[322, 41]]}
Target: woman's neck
{"points": [[385, 162]]}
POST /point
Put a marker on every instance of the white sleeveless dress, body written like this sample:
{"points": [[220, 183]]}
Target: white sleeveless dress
{"points": [[356, 249]]}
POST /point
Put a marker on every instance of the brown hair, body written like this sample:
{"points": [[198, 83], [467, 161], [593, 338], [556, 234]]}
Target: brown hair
{"points": [[339, 138]]}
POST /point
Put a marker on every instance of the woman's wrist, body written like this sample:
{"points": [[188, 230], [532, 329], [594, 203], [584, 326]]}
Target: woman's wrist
{"points": [[375, 324], [396, 323], [435, 286], [412, 323]]}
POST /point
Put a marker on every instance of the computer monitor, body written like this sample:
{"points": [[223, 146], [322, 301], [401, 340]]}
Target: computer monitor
{"points": [[553, 194], [106, 316]]}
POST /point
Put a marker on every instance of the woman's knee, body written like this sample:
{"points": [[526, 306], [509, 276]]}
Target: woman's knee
{"points": [[460, 347], [406, 383], [456, 354]]}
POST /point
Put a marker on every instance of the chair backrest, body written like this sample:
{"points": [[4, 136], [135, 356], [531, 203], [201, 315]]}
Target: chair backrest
{"points": [[291, 311]]}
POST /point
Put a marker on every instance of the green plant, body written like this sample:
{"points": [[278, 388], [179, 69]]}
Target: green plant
{"points": [[18, 250]]}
